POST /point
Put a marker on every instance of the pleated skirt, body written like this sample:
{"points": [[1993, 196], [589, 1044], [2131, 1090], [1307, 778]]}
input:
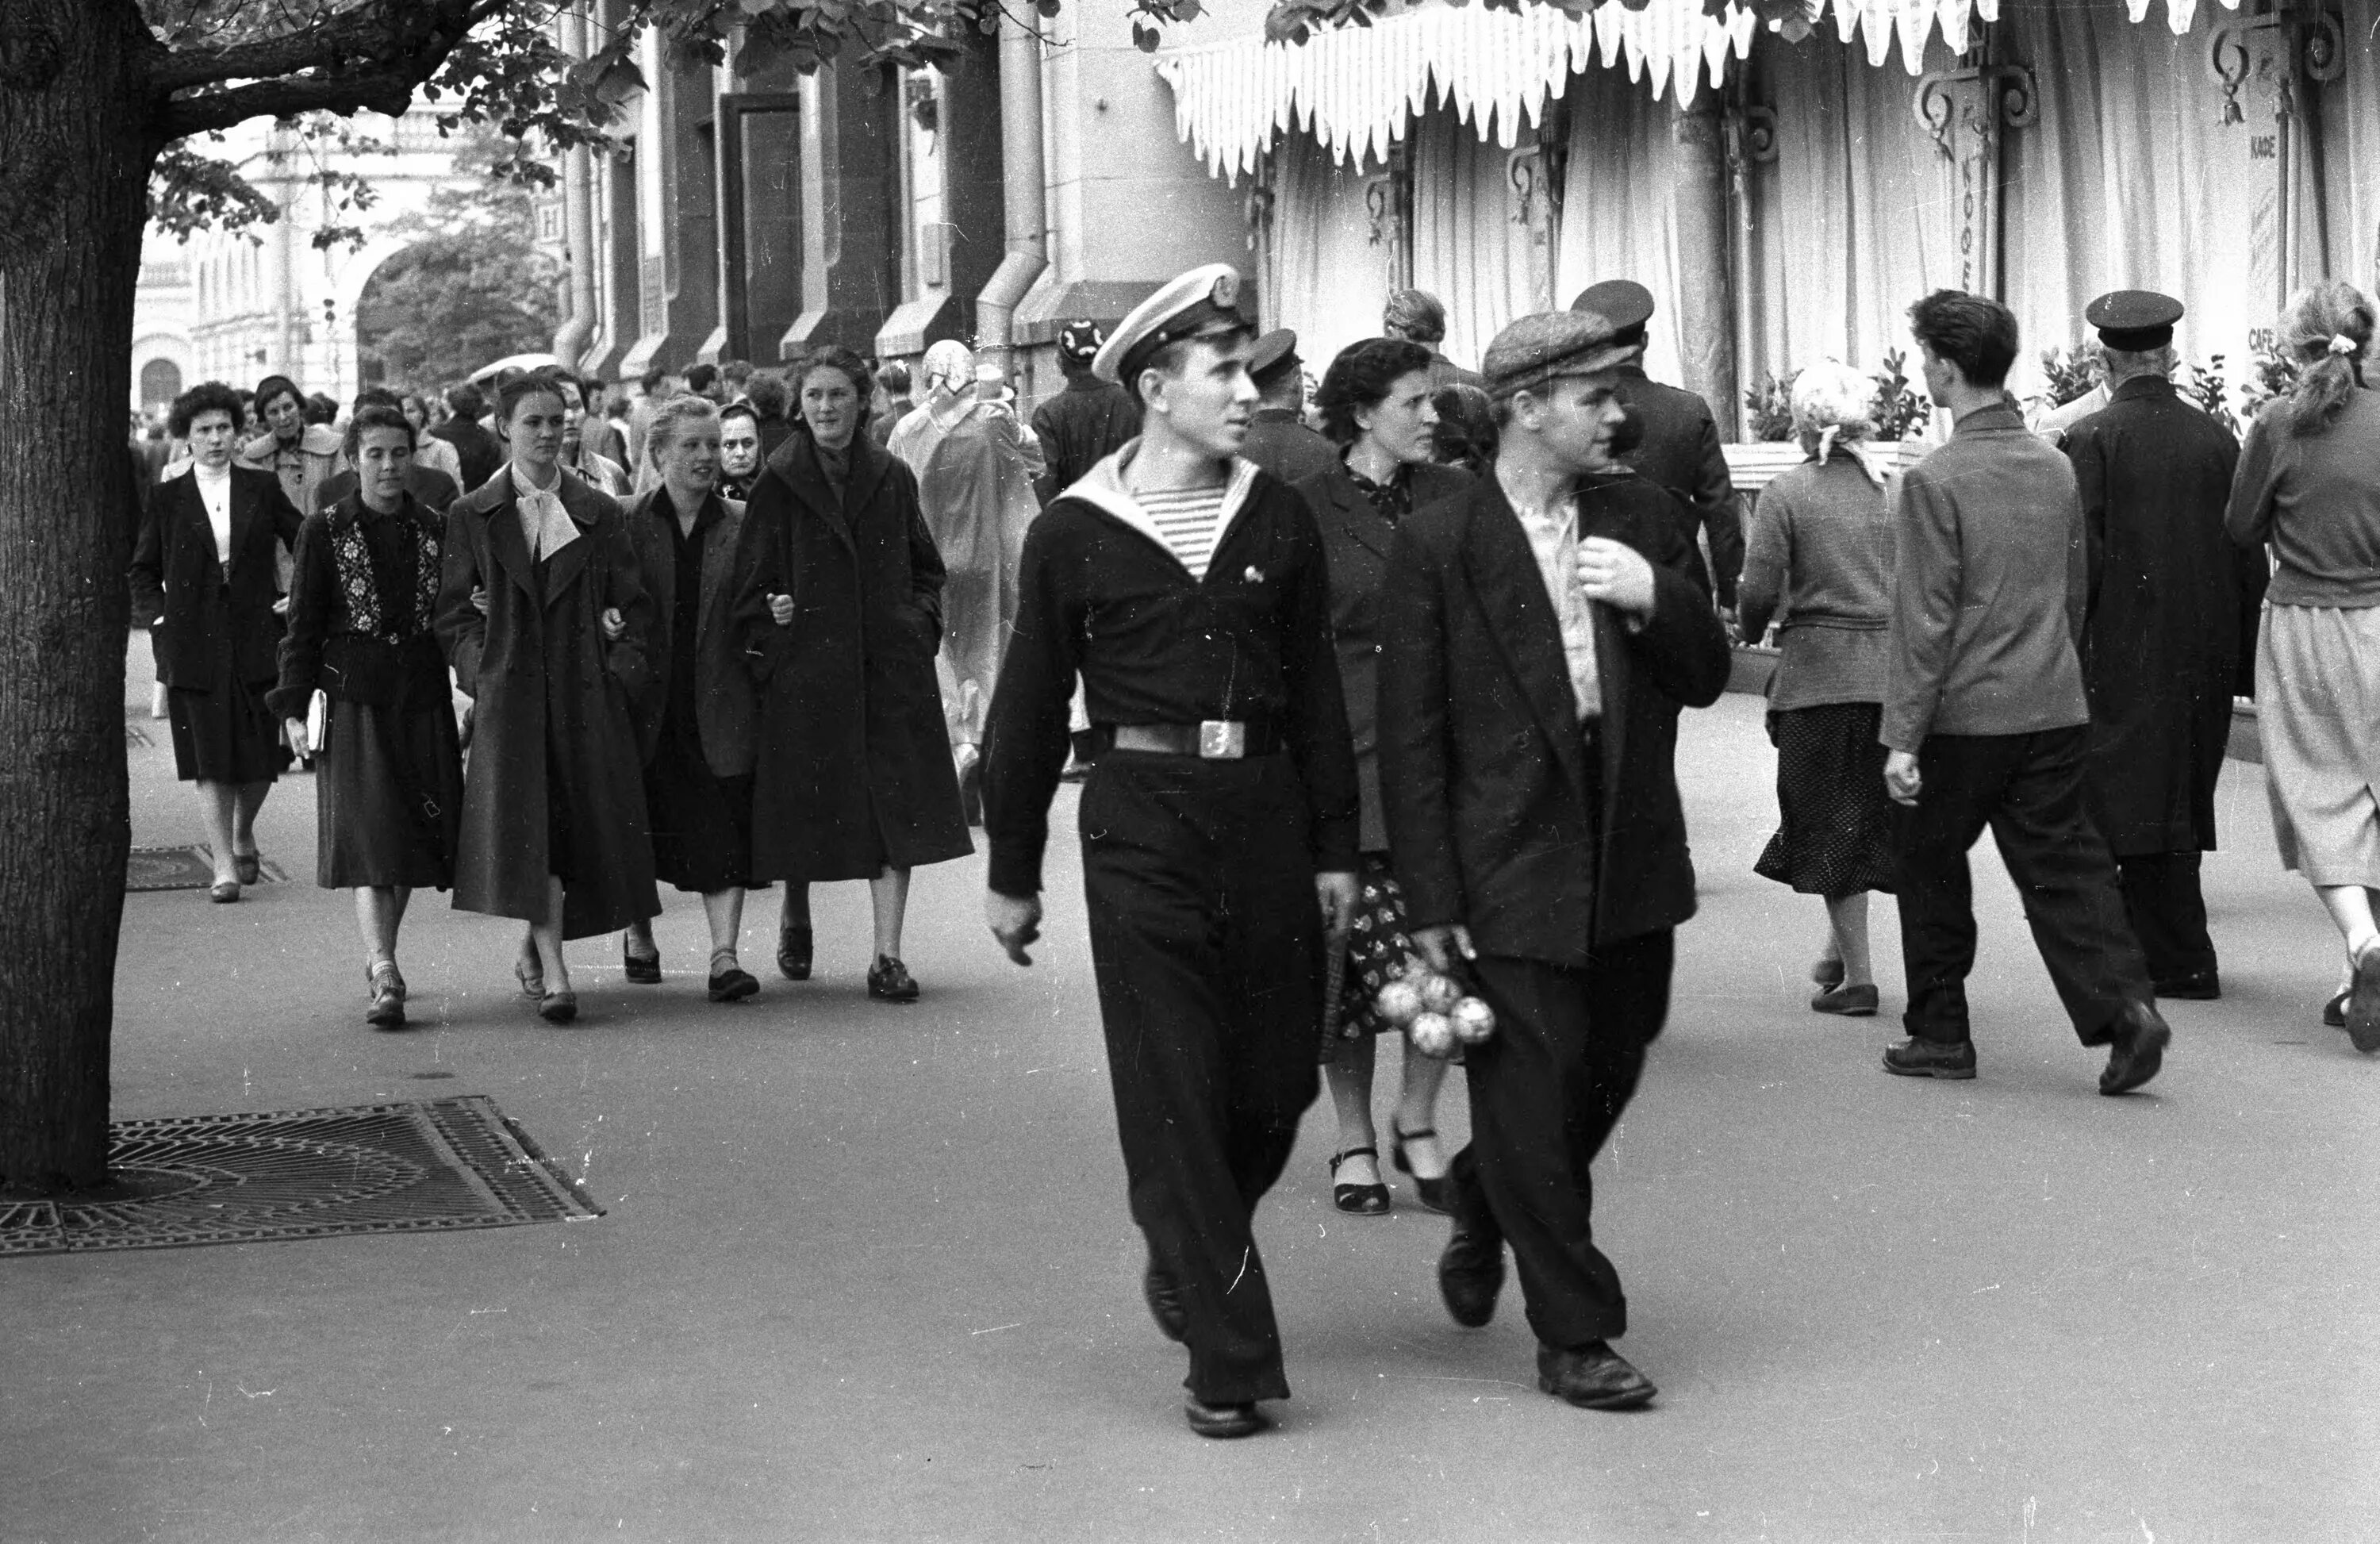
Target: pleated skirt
{"points": [[2318, 717]]}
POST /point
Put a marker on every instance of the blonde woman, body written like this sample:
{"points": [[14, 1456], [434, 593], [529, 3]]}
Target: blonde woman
{"points": [[2308, 487], [1820, 550]]}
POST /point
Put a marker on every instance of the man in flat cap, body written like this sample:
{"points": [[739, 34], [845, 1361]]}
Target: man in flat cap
{"points": [[1678, 444], [1417, 316], [1278, 439], [1540, 632], [2170, 633], [1091, 418], [1186, 589], [1985, 722]]}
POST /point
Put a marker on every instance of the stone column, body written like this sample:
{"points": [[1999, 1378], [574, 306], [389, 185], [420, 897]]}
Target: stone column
{"points": [[850, 255]]}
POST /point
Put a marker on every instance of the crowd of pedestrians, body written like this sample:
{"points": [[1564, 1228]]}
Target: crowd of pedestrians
{"points": [[1367, 678]]}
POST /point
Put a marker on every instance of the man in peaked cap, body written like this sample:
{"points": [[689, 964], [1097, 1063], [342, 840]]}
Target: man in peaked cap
{"points": [[1278, 439], [1186, 589], [1091, 418], [1540, 630], [2169, 636], [1679, 447]]}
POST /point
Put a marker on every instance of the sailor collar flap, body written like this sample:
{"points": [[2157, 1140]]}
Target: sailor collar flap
{"points": [[1102, 488]]}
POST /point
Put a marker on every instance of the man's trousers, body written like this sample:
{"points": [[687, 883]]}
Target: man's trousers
{"points": [[2028, 789], [1207, 939], [1544, 1094], [2167, 911]]}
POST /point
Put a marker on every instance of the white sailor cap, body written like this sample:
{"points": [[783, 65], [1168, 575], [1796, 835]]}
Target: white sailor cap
{"points": [[1201, 303]]}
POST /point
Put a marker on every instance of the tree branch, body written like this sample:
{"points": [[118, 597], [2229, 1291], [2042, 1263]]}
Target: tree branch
{"points": [[379, 35], [389, 91]]}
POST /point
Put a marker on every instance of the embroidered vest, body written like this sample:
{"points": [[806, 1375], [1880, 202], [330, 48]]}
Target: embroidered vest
{"points": [[360, 591]]}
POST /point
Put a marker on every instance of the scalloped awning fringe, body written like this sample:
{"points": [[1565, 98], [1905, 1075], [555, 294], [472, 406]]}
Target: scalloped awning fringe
{"points": [[1356, 89]]}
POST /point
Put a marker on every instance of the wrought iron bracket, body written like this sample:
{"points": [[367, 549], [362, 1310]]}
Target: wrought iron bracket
{"points": [[2010, 86]]}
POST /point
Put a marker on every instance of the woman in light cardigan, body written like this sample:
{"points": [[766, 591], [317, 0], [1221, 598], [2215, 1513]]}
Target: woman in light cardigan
{"points": [[1821, 547]]}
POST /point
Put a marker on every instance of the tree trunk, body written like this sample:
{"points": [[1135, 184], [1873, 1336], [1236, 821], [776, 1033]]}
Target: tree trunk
{"points": [[74, 121]]}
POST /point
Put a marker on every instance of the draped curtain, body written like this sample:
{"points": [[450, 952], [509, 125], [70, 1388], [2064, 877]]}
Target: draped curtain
{"points": [[1471, 247], [2351, 169], [1326, 278], [1854, 220], [1619, 216]]}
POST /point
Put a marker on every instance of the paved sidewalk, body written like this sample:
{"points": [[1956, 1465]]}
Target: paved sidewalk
{"points": [[866, 1272]]}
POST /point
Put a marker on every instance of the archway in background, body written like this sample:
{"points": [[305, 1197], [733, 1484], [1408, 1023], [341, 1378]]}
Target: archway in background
{"points": [[161, 383]]}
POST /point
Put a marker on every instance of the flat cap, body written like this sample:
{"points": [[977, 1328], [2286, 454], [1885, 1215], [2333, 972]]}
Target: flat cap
{"points": [[1623, 302], [1080, 339], [1536, 351], [1201, 303], [2133, 321], [1273, 356]]}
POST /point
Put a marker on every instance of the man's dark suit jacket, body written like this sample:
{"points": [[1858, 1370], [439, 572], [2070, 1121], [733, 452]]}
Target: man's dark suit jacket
{"points": [[1285, 447], [480, 452], [1357, 540], [176, 576], [1680, 453], [1482, 760]]}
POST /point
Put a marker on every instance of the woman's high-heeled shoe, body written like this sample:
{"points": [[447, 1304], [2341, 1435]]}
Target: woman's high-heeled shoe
{"points": [[531, 974], [249, 867], [1362, 1200], [223, 892], [558, 1006], [1437, 1192]]}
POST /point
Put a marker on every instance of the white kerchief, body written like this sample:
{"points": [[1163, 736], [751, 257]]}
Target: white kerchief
{"points": [[545, 525]]}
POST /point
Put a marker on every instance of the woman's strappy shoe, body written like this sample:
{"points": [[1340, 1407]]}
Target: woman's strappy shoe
{"points": [[1362, 1200], [1437, 1192]]}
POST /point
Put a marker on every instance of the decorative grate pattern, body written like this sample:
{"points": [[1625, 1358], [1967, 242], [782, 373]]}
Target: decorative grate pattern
{"points": [[429, 1167]]}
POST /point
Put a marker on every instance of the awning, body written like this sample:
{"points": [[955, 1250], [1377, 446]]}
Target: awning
{"points": [[1356, 89]]}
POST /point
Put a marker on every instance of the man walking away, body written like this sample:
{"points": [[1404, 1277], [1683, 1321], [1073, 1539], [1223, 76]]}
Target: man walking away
{"points": [[2170, 635], [1985, 719]]}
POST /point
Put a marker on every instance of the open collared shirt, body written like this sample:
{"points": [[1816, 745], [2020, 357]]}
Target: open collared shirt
{"points": [[1553, 537]]}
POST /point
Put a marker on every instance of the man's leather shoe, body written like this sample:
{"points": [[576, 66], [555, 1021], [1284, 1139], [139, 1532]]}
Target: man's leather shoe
{"points": [[2141, 1039], [1223, 1420], [1917, 1058], [2199, 986], [1165, 1303], [1470, 1275], [1592, 1377]]}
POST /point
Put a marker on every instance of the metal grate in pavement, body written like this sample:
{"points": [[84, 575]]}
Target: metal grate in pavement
{"points": [[431, 1167]]}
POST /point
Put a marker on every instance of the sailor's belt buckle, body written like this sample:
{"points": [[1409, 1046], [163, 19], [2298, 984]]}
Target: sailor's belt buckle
{"points": [[1222, 739]]}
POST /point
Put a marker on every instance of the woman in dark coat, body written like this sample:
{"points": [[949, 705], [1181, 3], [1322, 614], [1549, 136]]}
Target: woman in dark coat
{"points": [[362, 600], [1377, 406], [842, 615], [694, 724], [545, 619], [204, 572]]}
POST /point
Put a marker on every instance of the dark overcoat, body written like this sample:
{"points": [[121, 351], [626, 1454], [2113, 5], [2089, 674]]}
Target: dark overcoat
{"points": [[1681, 452], [1482, 762], [1357, 540], [726, 704], [2172, 614], [197, 618], [552, 715], [1279, 442], [852, 766]]}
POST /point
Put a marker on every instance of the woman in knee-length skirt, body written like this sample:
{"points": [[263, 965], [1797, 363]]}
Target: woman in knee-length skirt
{"points": [[2308, 486], [1821, 549]]}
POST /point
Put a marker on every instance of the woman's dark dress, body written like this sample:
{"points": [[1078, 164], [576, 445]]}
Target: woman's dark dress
{"points": [[363, 591], [702, 823]]}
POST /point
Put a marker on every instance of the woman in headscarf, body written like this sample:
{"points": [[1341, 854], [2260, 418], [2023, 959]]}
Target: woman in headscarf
{"points": [[2308, 487], [841, 611], [694, 724], [1821, 548], [361, 601], [1376, 405], [545, 619], [204, 572]]}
